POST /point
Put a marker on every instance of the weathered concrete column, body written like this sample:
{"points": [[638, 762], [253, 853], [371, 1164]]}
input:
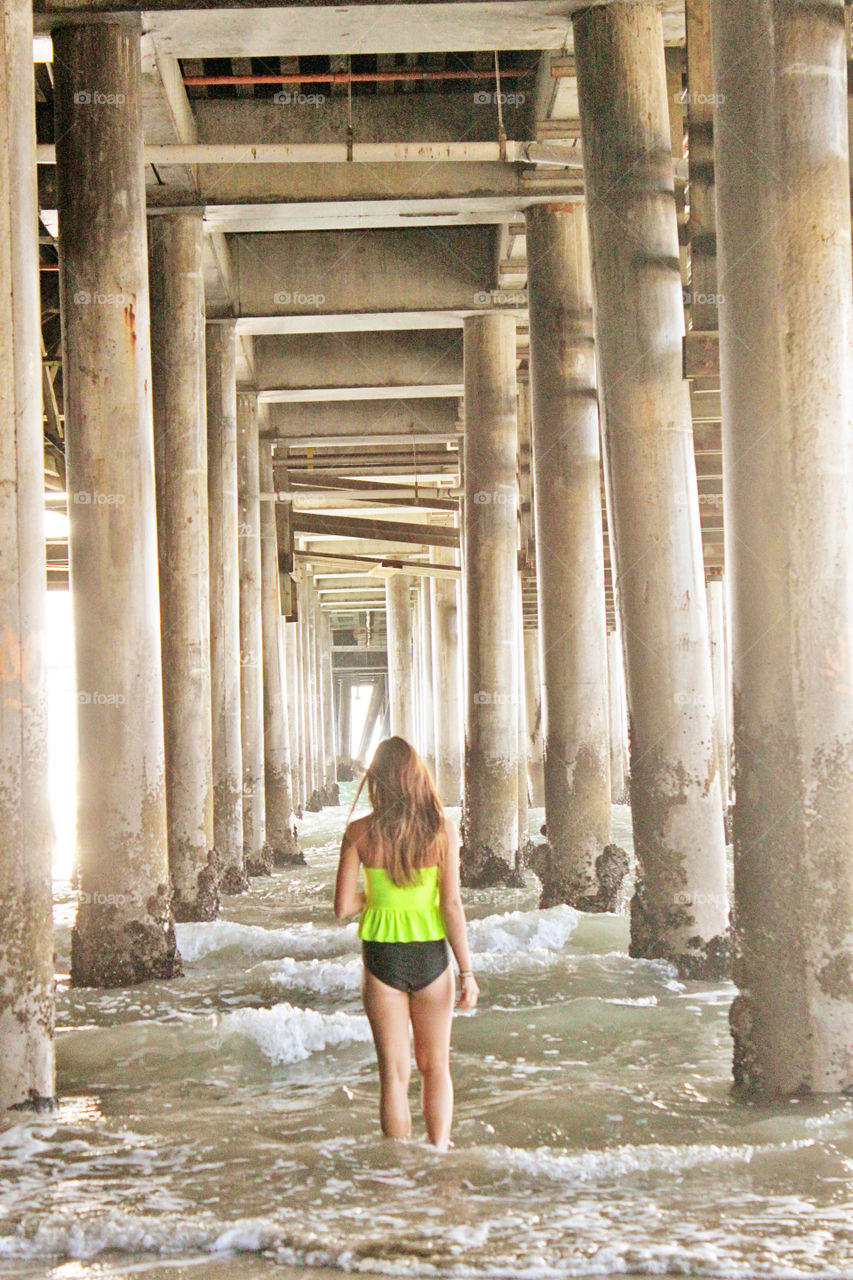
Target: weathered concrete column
{"points": [[306, 757], [277, 793], [533, 708], [523, 777], [786, 321], [427, 642], [257, 850], [343, 721], [719, 670], [315, 707], [180, 463], [290, 642], [490, 818], [446, 683], [330, 769], [124, 931], [679, 910], [400, 627], [618, 725], [417, 683], [318, 708], [569, 557], [311, 699], [225, 605], [26, 927]]}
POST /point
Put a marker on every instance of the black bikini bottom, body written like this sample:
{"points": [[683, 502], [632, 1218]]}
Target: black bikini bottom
{"points": [[407, 966]]}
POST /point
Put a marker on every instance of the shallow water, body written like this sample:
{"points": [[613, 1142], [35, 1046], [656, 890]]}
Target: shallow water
{"points": [[225, 1124]]}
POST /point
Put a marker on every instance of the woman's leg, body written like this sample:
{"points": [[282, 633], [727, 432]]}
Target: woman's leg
{"points": [[387, 1012], [432, 1018]]}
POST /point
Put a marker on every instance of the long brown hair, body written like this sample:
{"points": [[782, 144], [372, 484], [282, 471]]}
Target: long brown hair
{"points": [[407, 819]]}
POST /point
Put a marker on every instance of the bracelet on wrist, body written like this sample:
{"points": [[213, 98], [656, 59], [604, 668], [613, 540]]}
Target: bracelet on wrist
{"points": [[466, 973]]}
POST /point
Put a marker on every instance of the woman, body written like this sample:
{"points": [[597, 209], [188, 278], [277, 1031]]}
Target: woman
{"points": [[410, 908]]}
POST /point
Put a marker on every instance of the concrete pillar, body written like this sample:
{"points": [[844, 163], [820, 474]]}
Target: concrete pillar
{"points": [[679, 910], [569, 557], [417, 684], [26, 926], [318, 707], [180, 458], [306, 748], [618, 721], [311, 700], [344, 723], [490, 819], [316, 702], [225, 605], [786, 318], [290, 643], [330, 768], [426, 675], [523, 777], [717, 628], [278, 798], [533, 708], [257, 850], [446, 682], [124, 931], [400, 628]]}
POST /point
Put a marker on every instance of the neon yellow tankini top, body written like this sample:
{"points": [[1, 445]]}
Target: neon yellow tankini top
{"points": [[392, 913]]}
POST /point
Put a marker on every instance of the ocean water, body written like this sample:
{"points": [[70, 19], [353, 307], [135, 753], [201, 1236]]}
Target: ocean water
{"points": [[225, 1124]]}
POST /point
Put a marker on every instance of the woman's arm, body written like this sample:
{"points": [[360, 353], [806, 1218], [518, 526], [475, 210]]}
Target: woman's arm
{"points": [[453, 913], [348, 899]]}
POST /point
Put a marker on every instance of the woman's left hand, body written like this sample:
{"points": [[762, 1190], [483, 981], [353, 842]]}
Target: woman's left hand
{"points": [[469, 993]]}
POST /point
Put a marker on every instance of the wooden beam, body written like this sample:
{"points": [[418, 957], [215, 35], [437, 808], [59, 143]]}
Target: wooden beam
{"points": [[426, 535], [380, 565]]}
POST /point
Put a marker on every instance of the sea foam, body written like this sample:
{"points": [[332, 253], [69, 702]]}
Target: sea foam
{"points": [[286, 1033], [198, 940], [547, 930]]}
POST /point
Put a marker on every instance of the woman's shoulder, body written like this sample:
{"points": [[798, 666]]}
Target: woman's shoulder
{"points": [[356, 828]]}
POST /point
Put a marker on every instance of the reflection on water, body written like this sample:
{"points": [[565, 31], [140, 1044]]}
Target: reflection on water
{"points": [[225, 1122]]}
